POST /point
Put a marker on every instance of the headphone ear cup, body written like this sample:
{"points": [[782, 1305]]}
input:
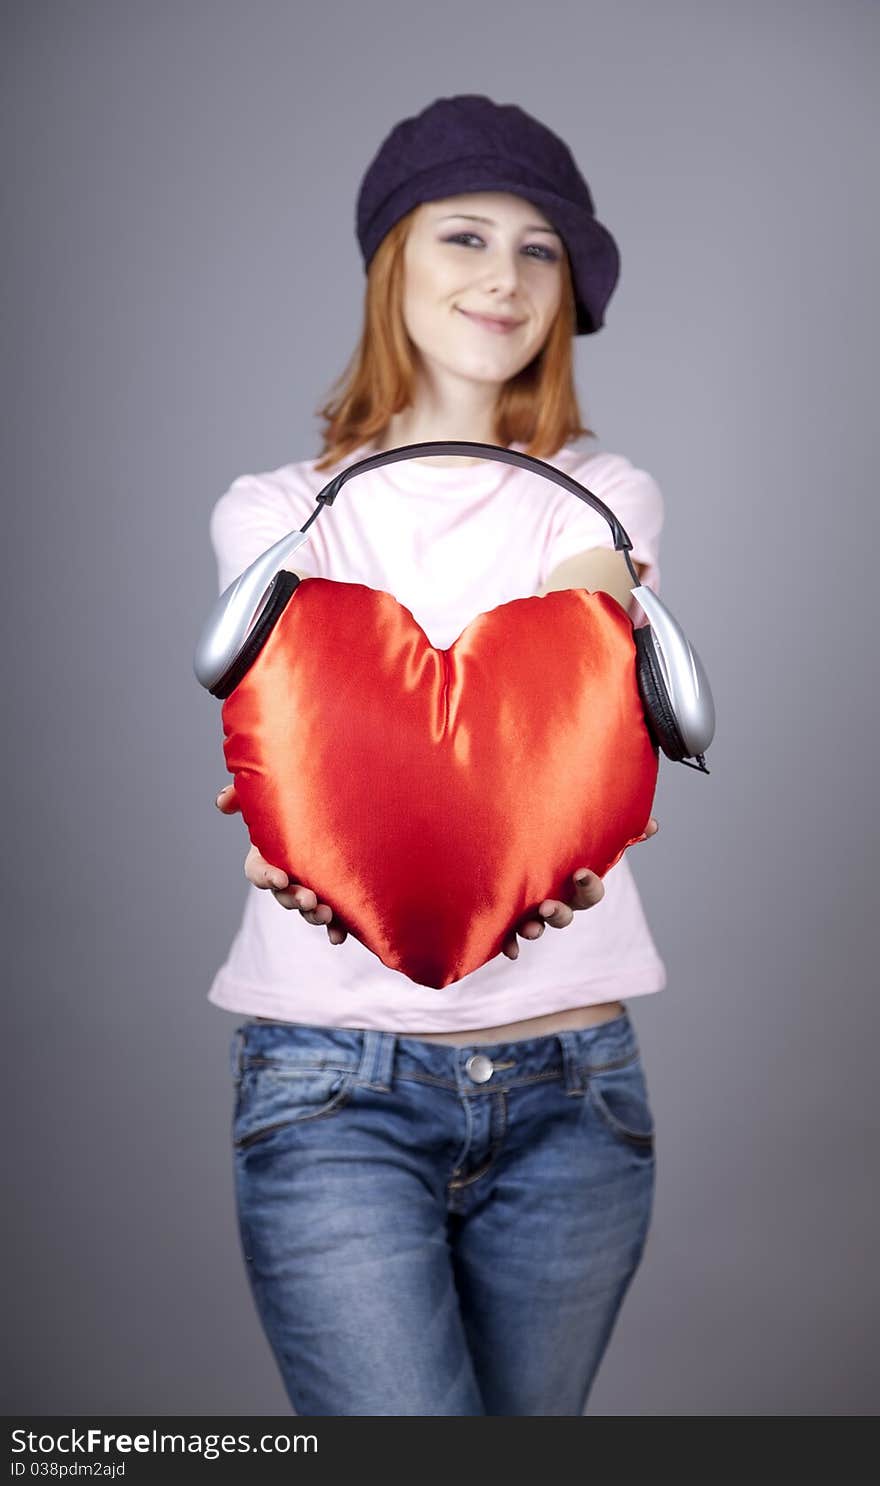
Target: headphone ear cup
{"points": [[659, 715], [280, 591]]}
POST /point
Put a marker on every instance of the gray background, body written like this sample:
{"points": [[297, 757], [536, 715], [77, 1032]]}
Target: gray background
{"points": [[184, 285]]}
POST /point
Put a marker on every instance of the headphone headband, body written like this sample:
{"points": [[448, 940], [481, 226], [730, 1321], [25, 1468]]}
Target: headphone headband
{"points": [[495, 452]]}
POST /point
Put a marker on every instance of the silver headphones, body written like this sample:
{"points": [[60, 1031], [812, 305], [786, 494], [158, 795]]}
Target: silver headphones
{"points": [[674, 687]]}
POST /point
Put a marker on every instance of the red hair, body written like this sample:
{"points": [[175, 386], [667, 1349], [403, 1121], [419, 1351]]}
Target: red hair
{"points": [[537, 408]]}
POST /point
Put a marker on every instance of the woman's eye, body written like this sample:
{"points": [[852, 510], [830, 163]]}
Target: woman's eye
{"points": [[547, 253]]}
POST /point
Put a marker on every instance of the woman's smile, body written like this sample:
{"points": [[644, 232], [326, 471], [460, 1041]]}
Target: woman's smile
{"points": [[497, 327]]}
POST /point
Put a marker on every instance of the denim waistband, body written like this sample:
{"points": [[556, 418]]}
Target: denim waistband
{"points": [[377, 1058]]}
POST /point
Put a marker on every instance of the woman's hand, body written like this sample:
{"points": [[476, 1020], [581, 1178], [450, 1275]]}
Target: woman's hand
{"points": [[289, 894], [588, 891]]}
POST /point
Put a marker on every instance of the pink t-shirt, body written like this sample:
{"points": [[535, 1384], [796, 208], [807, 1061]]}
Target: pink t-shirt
{"points": [[449, 543]]}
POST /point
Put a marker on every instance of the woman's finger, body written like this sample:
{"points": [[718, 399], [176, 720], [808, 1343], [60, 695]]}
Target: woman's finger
{"points": [[297, 896], [261, 873], [551, 911], [227, 801], [557, 915], [588, 889], [319, 915]]}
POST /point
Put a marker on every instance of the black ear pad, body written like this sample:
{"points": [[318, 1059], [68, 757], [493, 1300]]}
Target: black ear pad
{"points": [[659, 715], [280, 591]]}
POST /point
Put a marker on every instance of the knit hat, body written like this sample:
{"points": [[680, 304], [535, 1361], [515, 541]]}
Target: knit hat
{"points": [[468, 143]]}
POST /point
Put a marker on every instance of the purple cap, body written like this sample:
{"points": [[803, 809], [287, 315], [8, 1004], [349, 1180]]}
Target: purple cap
{"points": [[469, 143]]}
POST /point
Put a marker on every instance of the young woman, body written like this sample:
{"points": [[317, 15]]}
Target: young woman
{"points": [[443, 1196]]}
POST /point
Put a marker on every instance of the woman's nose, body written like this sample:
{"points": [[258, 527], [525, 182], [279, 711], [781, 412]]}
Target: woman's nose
{"points": [[502, 272]]}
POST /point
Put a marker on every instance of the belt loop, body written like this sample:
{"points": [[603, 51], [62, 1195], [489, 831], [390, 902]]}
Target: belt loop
{"points": [[236, 1052], [575, 1074], [377, 1059]]}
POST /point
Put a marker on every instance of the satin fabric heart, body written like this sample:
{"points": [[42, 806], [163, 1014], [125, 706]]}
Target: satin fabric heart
{"points": [[434, 797]]}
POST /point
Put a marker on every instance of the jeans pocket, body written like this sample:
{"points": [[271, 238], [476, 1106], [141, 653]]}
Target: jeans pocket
{"points": [[274, 1094], [620, 1096]]}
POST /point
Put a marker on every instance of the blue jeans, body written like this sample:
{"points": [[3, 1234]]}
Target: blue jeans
{"points": [[430, 1229]]}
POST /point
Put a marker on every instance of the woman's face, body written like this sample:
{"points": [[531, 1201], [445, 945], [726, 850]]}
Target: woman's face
{"points": [[482, 253]]}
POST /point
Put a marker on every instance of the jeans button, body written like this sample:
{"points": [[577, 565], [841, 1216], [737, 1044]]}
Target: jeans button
{"points": [[479, 1068]]}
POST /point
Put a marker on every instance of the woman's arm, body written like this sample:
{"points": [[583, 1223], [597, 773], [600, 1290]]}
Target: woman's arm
{"points": [[601, 567]]}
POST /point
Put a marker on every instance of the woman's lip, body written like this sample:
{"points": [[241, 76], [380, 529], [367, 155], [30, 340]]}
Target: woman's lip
{"points": [[498, 326]]}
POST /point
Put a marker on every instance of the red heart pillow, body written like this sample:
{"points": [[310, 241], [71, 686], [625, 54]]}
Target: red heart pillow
{"points": [[434, 797]]}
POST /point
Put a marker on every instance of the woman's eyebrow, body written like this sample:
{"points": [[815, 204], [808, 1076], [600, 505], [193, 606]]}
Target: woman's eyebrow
{"points": [[489, 223]]}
